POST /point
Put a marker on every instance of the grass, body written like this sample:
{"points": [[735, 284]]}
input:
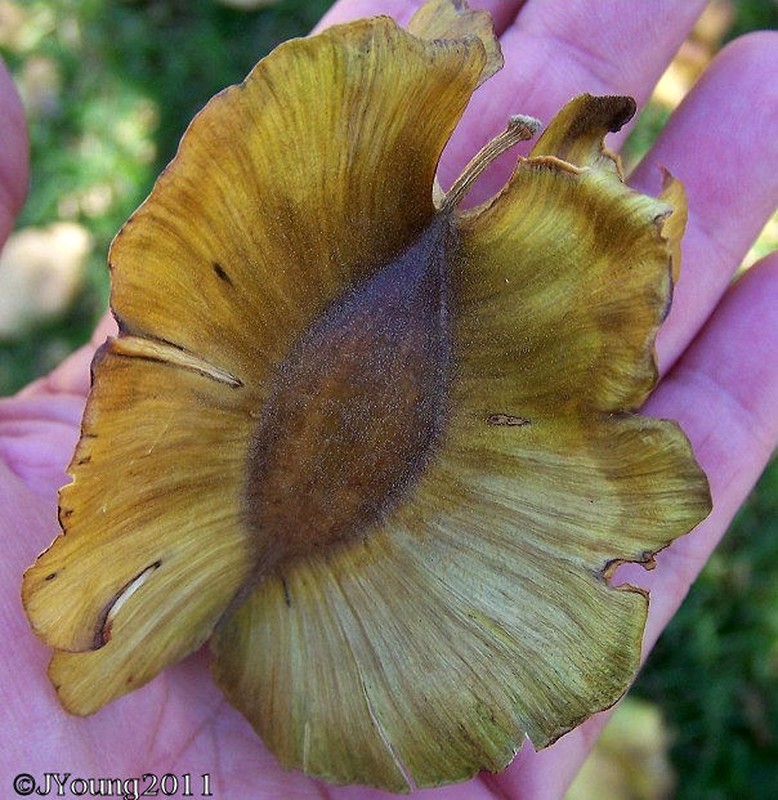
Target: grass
{"points": [[126, 79]]}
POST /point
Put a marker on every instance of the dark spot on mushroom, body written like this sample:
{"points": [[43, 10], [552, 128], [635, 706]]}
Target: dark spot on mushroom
{"points": [[221, 274], [509, 420], [51, 576], [287, 596], [668, 303]]}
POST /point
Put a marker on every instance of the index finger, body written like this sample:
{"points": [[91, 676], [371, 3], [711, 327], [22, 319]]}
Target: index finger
{"points": [[555, 51]]}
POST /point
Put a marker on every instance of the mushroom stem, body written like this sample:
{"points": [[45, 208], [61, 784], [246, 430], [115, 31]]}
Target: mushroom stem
{"points": [[519, 129]]}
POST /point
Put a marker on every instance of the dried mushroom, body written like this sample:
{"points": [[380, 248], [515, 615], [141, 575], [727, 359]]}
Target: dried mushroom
{"points": [[380, 450]]}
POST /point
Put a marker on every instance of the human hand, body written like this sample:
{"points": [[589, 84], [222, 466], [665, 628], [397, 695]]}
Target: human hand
{"points": [[717, 384]]}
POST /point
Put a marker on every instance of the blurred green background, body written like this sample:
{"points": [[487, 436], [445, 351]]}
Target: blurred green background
{"points": [[109, 87]]}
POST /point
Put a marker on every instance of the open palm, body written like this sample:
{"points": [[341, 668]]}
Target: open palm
{"points": [[718, 353]]}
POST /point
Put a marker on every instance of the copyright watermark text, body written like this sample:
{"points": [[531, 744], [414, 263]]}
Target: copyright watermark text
{"points": [[149, 784]]}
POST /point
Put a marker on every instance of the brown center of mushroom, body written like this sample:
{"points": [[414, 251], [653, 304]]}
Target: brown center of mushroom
{"points": [[355, 409]]}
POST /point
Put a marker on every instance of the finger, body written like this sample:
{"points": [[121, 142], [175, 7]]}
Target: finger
{"points": [[554, 51], [27, 525], [724, 392], [721, 143], [37, 437], [72, 376], [503, 11], [347, 10], [13, 154]]}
